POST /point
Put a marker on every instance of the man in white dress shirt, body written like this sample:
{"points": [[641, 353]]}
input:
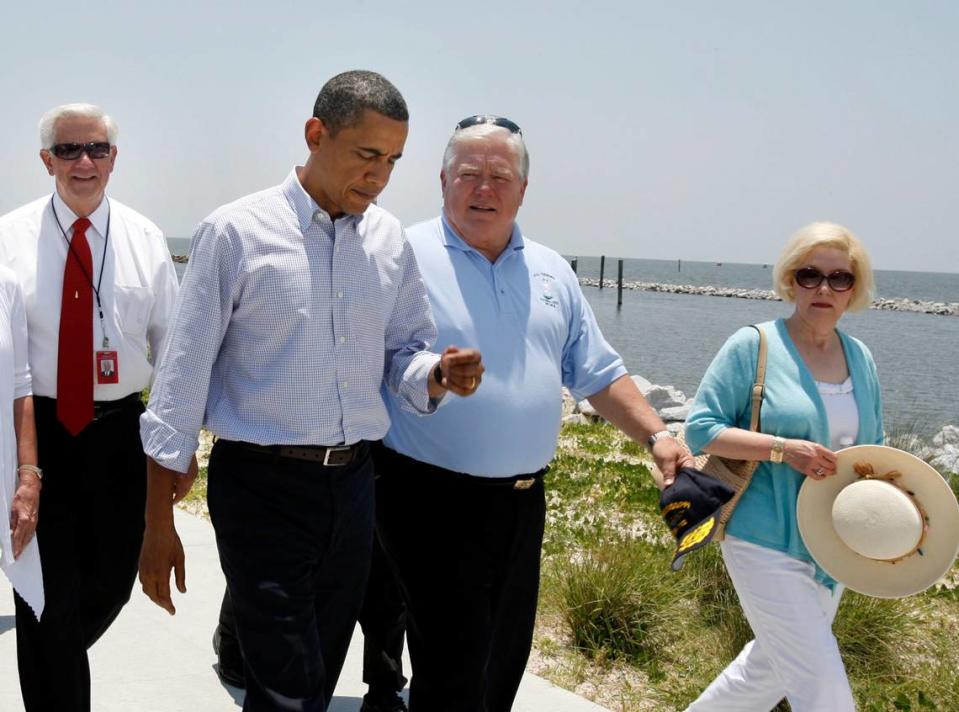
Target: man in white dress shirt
{"points": [[99, 287]]}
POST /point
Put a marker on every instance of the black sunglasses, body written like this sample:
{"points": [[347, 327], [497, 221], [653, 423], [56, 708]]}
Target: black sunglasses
{"points": [[491, 120], [73, 151], [811, 278]]}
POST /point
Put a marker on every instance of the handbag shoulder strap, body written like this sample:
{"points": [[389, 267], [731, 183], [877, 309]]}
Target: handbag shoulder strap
{"points": [[759, 385]]}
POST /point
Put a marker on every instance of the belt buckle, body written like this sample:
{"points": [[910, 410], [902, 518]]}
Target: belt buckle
{"points": [[524, 484], [337, 448]]}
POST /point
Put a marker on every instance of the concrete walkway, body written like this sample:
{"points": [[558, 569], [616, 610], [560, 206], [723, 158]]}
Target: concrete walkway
{"points": [[151, 662]]}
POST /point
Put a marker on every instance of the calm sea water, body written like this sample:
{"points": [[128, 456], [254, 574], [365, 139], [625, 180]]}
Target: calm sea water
{"points": [[671, 338], [928, 286]]}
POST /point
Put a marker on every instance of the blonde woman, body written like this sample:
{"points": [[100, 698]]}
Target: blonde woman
{"points": [[822, 393]]}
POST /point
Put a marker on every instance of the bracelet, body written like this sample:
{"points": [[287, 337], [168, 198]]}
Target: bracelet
{"points": [[32, 468], [778, 449], [438, 373]]}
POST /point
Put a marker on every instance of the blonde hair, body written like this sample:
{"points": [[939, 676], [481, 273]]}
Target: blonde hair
{"points": [[825, 234]]}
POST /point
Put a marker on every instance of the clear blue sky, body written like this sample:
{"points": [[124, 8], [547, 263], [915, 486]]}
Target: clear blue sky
{"points": [[699, 130]]}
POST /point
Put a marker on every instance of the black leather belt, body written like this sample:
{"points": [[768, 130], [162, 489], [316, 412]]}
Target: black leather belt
{"points": [[328, 456], [388, 459], [516, 482], [101, 409]]}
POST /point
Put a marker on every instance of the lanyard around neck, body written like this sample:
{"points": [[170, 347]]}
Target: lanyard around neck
{"points": [[103, 258]]}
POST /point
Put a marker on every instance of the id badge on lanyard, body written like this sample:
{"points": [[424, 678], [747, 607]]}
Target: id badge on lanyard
{"points": [[108, 366]]}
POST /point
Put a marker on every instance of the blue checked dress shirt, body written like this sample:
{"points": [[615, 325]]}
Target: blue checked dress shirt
{"points": [[287, 325]]}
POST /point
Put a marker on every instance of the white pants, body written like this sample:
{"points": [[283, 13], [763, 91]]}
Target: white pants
{"points": [[794, 654]]}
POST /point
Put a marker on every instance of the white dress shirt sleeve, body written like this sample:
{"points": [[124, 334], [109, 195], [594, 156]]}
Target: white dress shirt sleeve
{"points": [[166, 287], [18, 328]]}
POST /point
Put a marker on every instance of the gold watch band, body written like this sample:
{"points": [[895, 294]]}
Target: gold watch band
{"points": [[777, 450]]}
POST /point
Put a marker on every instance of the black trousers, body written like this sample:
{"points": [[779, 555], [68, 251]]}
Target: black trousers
{"points": [[383, 619], [89, 531], [294, 540], [467, 556]]}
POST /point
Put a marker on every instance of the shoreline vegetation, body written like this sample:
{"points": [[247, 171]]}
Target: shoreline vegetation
{"points": [[617, 626], [901, 304]]}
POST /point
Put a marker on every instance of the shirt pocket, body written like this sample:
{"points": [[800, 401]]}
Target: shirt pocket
{"points": [[134, 305]]}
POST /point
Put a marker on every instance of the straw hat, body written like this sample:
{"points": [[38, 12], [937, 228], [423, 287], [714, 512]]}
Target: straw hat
{"points": [[886, 524]]}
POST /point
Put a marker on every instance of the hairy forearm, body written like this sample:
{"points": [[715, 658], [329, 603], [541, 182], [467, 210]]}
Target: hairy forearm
{"points": [[624, 406]]}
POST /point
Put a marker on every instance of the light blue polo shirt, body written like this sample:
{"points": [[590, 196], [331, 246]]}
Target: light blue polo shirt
{"points": [[528, 317]]}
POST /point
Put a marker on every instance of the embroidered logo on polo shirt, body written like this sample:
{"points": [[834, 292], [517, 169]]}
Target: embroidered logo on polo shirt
{"points": [[546, 295]]}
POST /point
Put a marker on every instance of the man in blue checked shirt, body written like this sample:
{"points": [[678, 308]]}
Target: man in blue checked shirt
{"points": [[299, 303], [460, 499]]}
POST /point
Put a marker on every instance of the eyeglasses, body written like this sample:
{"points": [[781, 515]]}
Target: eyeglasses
{"points": [[73, 151], [811, 278], [491, 120]]}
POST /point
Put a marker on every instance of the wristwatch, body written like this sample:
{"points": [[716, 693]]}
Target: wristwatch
{"points": [[656, 437], [438, 373], [778, 449]]}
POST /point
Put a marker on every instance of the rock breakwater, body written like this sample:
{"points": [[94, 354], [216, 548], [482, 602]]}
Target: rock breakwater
{"points": [[898, 304]]}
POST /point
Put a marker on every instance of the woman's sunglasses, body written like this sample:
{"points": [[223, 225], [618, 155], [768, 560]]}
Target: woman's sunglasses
{"points": [[811, 278]]}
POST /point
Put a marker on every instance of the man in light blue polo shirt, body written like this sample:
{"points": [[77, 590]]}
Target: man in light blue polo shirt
{"points": [[460, 500]]}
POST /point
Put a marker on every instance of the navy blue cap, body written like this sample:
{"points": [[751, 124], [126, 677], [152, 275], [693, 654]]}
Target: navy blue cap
{"points": [[691, 508]]}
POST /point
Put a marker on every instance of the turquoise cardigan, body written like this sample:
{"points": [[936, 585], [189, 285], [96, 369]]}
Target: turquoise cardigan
{"points": [[792, 408]]}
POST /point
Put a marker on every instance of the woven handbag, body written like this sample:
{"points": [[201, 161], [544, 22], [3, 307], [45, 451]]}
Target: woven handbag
{"points": [[735, 473]]}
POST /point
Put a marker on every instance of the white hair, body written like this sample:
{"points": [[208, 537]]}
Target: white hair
{"points": [[48, 122], [480, 131]]}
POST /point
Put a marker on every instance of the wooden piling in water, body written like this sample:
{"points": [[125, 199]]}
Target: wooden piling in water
{"points": [[574, 263], [602, 270], [619, 286]]}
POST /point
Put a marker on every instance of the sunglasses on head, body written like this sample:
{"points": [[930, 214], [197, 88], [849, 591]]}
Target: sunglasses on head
{"points": [[811, 278], [73, 151], [478, 119]]}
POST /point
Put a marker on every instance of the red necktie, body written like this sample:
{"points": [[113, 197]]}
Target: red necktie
{"points": [[75, 354]]}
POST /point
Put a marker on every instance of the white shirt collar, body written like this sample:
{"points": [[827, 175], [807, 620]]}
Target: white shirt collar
{"points": [[98, 218]]}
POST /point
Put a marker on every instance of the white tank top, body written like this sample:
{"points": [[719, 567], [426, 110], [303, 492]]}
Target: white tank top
{"points": [[841, 412]]}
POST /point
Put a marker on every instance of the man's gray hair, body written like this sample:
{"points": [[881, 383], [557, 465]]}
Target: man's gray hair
{"points": [[48, 122], [342, 100], [481, 130]]}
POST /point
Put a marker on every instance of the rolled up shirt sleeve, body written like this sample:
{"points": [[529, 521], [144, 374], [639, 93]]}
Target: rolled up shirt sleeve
{"points": [[171, 424]]}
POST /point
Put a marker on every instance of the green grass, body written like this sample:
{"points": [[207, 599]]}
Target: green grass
{"points": [[613, 607], [606, 579], [197, 493]]}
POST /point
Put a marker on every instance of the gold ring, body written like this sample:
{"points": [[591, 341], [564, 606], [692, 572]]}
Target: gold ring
{"points": [[819, 471], [473, 383]]}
